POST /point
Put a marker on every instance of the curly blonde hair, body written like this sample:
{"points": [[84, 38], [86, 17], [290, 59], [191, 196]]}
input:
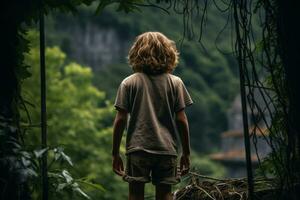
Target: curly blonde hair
{"points": [[153, 53]]}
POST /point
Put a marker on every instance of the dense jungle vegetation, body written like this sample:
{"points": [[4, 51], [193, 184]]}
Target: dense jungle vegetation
{"points": [[83, 75]]}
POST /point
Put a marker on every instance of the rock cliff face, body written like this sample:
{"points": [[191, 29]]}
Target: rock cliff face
{"points": [[91, 45]]}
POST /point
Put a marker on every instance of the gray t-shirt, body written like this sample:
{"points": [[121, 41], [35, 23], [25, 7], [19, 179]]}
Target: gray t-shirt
{"points": [[152, 101]]}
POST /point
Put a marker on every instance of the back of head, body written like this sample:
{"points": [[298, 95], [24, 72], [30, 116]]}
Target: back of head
{"points": [[153, 53]]}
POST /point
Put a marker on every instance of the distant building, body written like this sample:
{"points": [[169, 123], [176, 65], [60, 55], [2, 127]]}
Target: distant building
{"points": [[232, 154]]}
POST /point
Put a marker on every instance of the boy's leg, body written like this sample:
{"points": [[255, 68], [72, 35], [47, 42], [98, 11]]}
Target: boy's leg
{"points": [[136, 191], [164, 175], [163, 192], [137, 173]]}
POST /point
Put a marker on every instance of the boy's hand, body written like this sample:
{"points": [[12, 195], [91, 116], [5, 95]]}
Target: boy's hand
{"points": [[184, 164], [118, 167]]}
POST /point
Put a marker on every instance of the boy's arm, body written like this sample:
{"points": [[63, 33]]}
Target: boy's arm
{"points": [[118, 129], [183, 127]]}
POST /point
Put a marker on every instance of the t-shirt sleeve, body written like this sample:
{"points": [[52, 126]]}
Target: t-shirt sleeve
{"points": [[122, 98], [183, 98]]}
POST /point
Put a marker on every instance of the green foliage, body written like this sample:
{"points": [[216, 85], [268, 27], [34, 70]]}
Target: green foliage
{"points": [[274, 165], [79, 120], [61, 181], [14, 17]]}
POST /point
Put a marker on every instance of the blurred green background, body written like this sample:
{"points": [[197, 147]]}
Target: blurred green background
{"points": [[86, 61]]}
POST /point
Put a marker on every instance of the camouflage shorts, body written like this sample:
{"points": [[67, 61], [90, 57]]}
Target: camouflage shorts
{"points": [[146, 167]]}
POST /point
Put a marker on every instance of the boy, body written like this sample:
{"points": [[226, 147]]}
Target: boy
{"points": [[155, 100]]}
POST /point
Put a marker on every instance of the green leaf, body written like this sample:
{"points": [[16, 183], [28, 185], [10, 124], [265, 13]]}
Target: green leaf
{"points": [[54, 175], [66, 158], [39, 153], [59, 153], [61, 186], [30, 172], [25, 154], [78, 190], [67, 176], [25, 162], [93, 185]]}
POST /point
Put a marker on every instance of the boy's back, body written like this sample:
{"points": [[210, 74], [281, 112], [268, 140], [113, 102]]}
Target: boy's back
{"points": [[152, 101], [155, 101]]}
